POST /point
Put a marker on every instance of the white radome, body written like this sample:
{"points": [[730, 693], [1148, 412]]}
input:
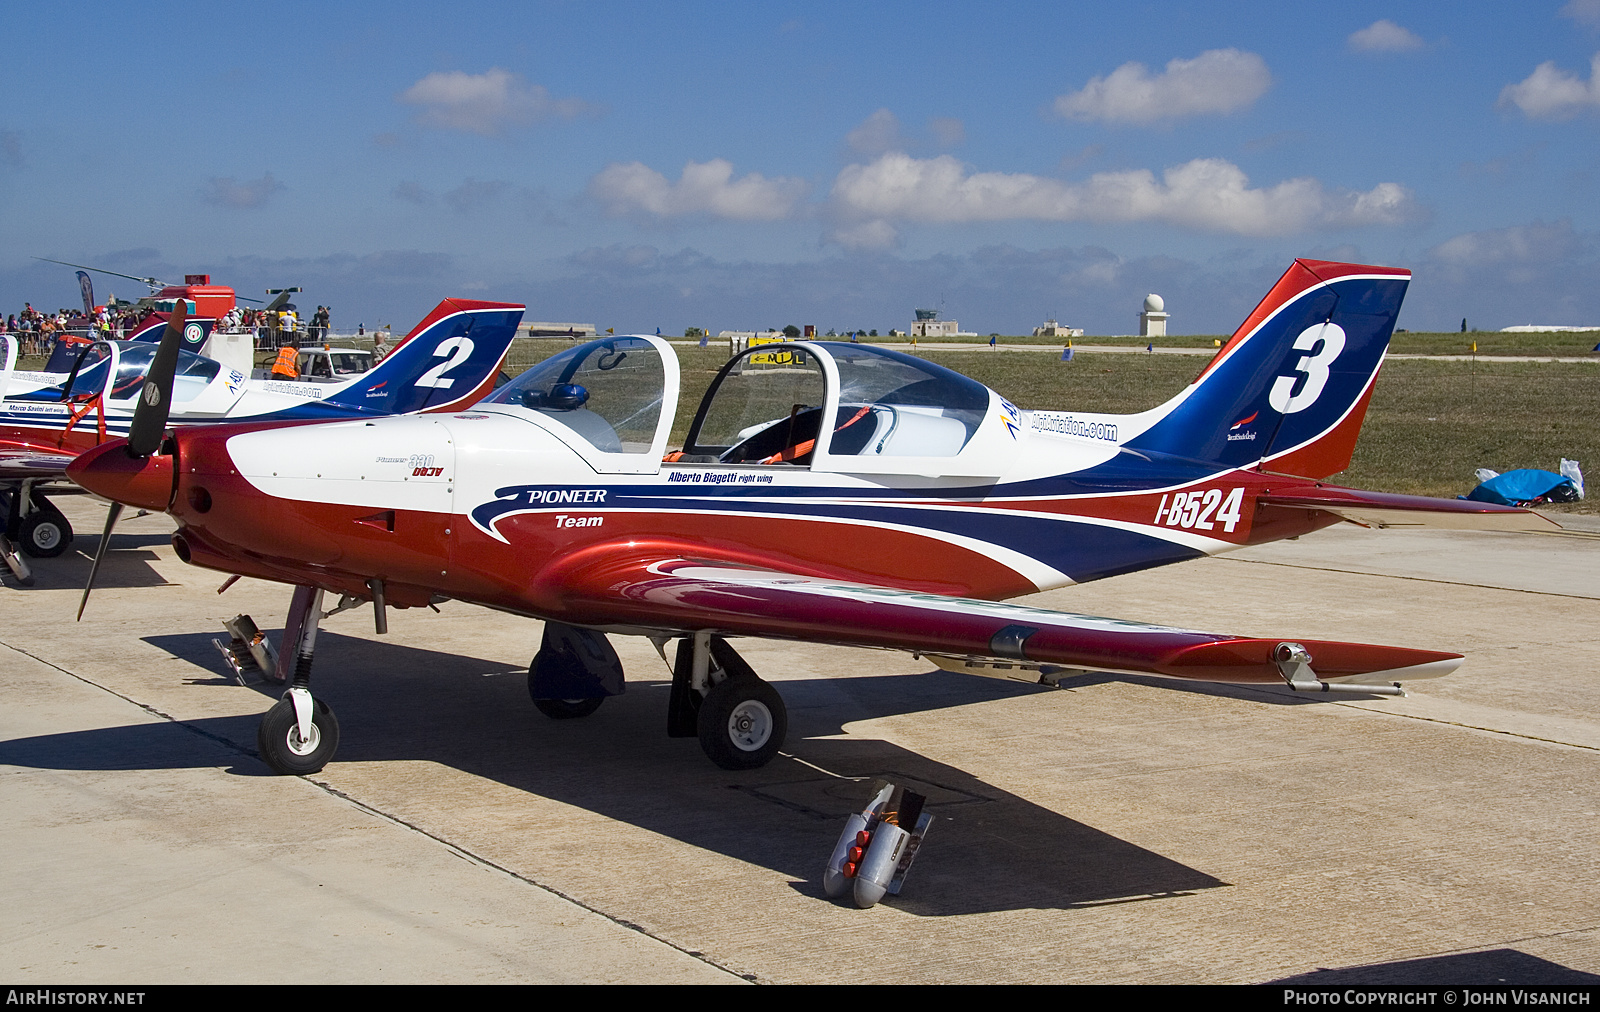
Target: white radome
{"points": [[1154, 304]]}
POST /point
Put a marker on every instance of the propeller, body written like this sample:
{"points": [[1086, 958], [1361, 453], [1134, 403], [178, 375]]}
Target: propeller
{"points": [[155, 397], [148, 426], [99, 553]]}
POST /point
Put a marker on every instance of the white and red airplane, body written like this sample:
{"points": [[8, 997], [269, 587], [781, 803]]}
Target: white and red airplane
{"points": [[831, 492], [448, 361]]}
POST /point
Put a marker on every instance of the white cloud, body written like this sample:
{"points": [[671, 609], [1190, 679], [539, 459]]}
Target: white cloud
{"points": [[1520, 244], [704, 188], [1209, 194], [1217, 81], [876, 134], [486, 103], [1384, 36], [227, 191], [1552, 93], [881, 133], [1585, 12]]}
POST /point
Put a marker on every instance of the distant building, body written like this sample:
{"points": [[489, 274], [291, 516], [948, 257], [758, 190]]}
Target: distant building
{"points": [[929, 325], [748, 335], [1153, 321], [582, 331], [1545, 328], [1053, 329]]}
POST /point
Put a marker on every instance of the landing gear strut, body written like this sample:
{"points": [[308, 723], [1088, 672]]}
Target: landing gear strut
{"points": [[33, 527], [717, 697], [299, 735]]}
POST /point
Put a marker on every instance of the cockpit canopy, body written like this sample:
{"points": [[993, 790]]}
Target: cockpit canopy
{"points": [[133, 359], [608, 391], [613, 400], [767, 407]]}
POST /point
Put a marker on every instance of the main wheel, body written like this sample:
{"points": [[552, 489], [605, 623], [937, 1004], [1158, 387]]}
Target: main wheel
{"points": [[285, 751], [45, 532], [742, 723], [568, 709]]}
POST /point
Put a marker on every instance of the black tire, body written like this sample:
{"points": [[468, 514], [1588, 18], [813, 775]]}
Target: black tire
{"points": [[45, 532], [278, 739], [568, 709], [742, 724]]}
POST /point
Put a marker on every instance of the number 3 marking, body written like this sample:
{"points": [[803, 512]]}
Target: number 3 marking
{"points": [[1313, 367], [458, 348]]}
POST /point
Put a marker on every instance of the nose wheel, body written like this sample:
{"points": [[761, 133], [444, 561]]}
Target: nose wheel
{"points": [[300, 734], [286, 750]]}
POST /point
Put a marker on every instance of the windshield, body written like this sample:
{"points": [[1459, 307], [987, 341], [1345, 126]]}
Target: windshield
{"points": [[606, 391], [193, 374], [89, 380]]}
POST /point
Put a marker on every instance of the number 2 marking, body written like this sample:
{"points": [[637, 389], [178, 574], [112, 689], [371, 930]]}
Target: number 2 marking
{"points": [[1313, 367], [459, 349]]}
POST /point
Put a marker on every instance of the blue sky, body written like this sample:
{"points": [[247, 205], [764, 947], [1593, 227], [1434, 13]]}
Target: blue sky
{"points": [[746, 165]]}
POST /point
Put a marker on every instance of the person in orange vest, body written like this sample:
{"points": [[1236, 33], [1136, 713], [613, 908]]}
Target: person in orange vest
{"points": [[284, 366]]}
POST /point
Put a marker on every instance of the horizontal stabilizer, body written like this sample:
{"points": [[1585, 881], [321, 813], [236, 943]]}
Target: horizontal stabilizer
{"points": [[1385, 509]]}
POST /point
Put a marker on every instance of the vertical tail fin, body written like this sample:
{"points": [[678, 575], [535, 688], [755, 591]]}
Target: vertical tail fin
{"points": [[446, 363], [1290, 388]]}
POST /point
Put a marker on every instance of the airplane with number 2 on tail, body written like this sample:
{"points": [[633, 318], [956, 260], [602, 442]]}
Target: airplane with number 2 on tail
{"points": [[830, 492], [449, 360]]}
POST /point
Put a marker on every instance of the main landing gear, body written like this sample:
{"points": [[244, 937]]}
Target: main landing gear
{"points": [[299, 735], [33, 527], [716, 697]]}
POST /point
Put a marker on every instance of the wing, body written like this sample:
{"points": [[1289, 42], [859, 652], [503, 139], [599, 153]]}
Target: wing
{"points": [[624, 586], [1386, 509], [16, 465]]}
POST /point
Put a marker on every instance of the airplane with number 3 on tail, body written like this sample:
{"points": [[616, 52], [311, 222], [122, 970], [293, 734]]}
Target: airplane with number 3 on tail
{"points": [[449, 360], [829, 492]]}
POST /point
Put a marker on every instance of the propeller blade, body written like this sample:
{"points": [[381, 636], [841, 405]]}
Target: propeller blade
{"points": [[155, 397], [99, 553]]}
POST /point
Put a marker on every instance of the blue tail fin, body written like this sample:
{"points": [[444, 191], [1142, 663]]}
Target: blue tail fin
{"points": [[447, 362], [1290, 388]]}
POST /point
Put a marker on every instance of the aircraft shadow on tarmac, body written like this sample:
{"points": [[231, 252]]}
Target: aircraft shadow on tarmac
{"points": [[988, 849], [127, 564], [1492, 966]]}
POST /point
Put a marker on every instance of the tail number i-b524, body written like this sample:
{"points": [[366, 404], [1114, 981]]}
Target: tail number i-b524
{"points": [[1198, 510]]}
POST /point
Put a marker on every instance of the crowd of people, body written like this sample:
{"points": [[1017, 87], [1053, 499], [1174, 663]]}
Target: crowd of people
{"points": [[36, 331]]}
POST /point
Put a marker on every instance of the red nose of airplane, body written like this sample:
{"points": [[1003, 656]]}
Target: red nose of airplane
{"points": [[108, 471]]}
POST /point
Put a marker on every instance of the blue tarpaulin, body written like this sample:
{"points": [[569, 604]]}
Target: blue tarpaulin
{"points": [[1521, 486]]}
